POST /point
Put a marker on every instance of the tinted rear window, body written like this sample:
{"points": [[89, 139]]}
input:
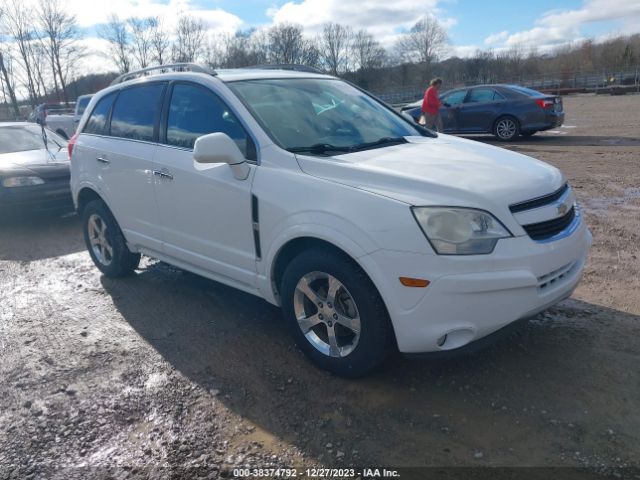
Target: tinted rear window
{"points": [[526, 91], [98, 119], [135, 112]]}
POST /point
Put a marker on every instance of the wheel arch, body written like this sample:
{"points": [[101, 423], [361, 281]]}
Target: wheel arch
{"points": [[86, 195], [288, 251], [295, 246], [502, 115]]}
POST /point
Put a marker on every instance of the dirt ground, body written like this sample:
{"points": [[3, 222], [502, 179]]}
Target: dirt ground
{"points": [[168, 375]]}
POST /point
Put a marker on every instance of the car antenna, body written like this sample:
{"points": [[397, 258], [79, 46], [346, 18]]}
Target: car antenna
{"points": [[46, 143]]}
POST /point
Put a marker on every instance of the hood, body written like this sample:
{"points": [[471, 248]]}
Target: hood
{"points": [[440, 171], [35, 161]]}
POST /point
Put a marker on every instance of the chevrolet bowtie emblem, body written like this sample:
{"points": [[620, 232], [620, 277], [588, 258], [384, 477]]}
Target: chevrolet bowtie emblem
{"points": [[562, 209]]}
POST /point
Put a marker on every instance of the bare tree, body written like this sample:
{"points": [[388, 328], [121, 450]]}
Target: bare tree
{"points": [[40, 68], [190, 39], [6, 80], [243, 49], [115, 32], [141, 34], [18, 27], [335, 44], [424, 43], [367, 53], [160, 42], [287, 45], [60, 34]]}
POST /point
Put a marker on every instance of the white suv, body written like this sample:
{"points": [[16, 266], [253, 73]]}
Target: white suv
{"points": [[370, 232]]}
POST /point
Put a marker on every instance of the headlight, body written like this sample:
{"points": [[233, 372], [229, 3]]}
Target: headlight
{"points": [[21, 181], [460, 231]]}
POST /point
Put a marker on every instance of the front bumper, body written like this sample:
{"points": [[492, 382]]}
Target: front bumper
{"points": [[470, 297], [50, 196]]}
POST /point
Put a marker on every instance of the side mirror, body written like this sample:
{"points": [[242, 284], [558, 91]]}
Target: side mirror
{"points": [[219, 148]]}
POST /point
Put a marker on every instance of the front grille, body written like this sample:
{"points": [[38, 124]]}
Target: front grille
{"points": [[549, 228], [540, 201]]}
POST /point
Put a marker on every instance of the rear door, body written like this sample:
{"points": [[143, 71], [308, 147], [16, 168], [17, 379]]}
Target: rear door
{"points": [[125, 160], [480, 109], [206, 214]]}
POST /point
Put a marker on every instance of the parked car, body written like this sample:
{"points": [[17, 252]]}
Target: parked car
{"points": [[505, 111], [34, 169], [41, 112], [372, 233], [65, 124]]}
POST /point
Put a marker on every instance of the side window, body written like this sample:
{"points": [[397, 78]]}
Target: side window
{"points": [[482, 95], [455, 98], [135, 112], [195, 111], [98, 119]]}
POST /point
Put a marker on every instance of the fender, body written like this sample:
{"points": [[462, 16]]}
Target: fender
{"points": [[319, 225], [85, 182]]}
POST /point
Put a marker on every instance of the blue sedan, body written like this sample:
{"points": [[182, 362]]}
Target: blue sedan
{"points": [[505, 111]]}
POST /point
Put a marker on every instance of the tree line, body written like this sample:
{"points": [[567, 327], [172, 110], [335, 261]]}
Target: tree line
{"points": [[40, 49]]}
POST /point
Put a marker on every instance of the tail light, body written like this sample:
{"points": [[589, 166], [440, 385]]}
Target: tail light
{"points": [[544, 102], [71, 144]]}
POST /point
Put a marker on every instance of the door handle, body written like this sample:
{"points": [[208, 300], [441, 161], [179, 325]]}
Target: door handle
{"points": [[163, 174], [103, 160]]}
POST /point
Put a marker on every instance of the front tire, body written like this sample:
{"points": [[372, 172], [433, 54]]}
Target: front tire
{"points": [[105, 242], [335, 313], [506, 128]]}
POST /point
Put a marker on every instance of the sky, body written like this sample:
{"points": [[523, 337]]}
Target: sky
{"points": [[470, 24]]}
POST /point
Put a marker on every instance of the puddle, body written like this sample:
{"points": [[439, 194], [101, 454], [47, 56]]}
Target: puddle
{"points": [[600, 205]]}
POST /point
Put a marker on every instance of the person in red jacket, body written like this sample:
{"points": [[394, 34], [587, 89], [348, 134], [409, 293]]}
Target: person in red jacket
{"points": [[431, 106]]}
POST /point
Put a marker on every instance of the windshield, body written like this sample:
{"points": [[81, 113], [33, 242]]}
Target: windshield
{"points": [[300, 114], [20, 138]]}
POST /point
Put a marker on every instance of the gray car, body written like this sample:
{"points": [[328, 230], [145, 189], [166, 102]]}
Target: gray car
{"points": [[505, 111], [34, 169]]}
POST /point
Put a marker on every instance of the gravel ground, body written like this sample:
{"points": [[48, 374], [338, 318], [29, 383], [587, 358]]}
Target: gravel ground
{"points": [[168, 375]]}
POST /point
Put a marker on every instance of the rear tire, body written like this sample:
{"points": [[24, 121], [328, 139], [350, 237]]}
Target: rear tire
{"points": [[506, 128], [105, 241], [335, 313]]}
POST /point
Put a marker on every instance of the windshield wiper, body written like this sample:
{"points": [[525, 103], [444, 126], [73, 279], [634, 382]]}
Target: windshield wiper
{"points": [[322, 148], [319, 148], [381, 142]]}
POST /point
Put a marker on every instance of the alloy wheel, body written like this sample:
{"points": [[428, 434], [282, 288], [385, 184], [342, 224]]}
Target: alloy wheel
{"points": [[98, 237], [506, 128], [327, 314]]}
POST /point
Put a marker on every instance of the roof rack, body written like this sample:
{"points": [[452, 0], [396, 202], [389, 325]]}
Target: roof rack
{"points": [[172, 67], [287, 66]]}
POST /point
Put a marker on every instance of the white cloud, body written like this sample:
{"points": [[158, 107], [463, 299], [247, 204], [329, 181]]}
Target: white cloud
{"points": [[464, 51], [382, 18], [496, 38], [564, 26]]}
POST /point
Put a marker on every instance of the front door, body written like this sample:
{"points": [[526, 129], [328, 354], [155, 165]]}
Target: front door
{"points": [[205, 214], [452, 102]]}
